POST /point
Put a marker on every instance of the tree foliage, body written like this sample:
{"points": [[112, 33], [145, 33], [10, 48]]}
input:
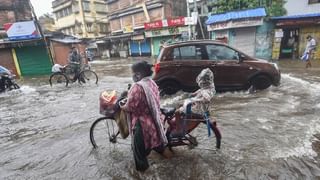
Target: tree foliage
{"points": [[273, 7]]}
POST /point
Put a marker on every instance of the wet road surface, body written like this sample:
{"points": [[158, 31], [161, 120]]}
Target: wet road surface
{"points": [[272, 134]]}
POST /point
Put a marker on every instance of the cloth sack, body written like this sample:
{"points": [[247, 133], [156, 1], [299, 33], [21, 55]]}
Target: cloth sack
{"points": [[122, 122]]}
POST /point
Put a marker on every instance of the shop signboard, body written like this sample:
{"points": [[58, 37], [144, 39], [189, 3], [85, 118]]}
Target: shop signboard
{"points": [[236, 24], [185, 34], [166, 32], [176, 22], [190, 21], [278, 33], [128, 29], [21, 30], [153, 25], [180, 21]]}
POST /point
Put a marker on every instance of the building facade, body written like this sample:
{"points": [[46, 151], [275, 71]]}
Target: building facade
{"points": [[11, 11], [291, 31], [47, 23], [23, 55], [127, 19], [302, 7], [81, 18], [244, 29]]}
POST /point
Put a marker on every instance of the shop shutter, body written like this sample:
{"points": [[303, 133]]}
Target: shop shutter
{"points": [[156, 45], [244, 40], [134, 48], [145, 48], [33, 60]]}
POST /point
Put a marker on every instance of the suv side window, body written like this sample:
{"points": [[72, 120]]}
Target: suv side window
{"points": [[220, 52], [188, 53]]}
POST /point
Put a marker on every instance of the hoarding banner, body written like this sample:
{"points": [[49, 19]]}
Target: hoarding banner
{"points": [[166, 32], [21, 30], [153, 25], [235, 24], [180, 21], [176, 22]]}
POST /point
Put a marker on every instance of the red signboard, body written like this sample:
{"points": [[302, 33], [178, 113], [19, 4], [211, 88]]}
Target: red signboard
{"points": [[153, 25], [176, 22], [165, 23]]}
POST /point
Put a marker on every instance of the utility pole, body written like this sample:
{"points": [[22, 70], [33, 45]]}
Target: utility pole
{"points": [[41, 32], [188, 12], [195, 9]]}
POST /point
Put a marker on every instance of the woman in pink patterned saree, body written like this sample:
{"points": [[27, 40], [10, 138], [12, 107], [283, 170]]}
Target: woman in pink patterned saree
{"points": [[143, 107]]}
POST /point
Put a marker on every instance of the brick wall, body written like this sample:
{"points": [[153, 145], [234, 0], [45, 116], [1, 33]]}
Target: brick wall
{"points": [[6, 17], [139, 19], [60, 51], [14, 11], [124, 4], [6, 2], [178, 8], [7, 61], [115, 25], [156, 14]]}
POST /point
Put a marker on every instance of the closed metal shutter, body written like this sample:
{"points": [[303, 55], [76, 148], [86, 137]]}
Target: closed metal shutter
{"points": [[134, 48], [244, 40], [33, 60], [145, 48]]}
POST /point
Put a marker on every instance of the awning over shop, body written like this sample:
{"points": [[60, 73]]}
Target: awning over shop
{"points": [[236, 15], [313, 15], [298, 20], [67, 40]]}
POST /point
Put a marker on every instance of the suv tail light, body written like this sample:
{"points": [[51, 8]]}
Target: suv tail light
{"points": [[156, 67]]}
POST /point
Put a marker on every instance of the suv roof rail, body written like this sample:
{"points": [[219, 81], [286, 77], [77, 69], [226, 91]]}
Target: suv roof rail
{"points": [[194, 41]]}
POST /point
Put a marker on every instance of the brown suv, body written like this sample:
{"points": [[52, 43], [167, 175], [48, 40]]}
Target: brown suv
{"points": [[179, 64]]}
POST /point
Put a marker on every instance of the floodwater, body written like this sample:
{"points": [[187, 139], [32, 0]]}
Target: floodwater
{"points": [[271, 134]]}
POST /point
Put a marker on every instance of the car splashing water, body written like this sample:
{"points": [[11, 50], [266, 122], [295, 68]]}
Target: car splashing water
{"points": [[271, 134]]}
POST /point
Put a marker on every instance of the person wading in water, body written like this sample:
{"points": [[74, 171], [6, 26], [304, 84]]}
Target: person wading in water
{"points": [[143, 107]]}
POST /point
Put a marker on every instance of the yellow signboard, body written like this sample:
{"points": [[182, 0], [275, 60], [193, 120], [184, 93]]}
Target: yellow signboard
{"points": [[127, 29]]}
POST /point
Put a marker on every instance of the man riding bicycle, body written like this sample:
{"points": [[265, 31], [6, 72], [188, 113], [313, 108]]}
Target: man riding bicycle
{"points": [[74, 61]]}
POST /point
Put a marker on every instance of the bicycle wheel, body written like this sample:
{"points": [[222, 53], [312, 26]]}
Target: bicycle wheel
{"points": [[58, 79], [103, 132], [88, 77], [16, 86]]}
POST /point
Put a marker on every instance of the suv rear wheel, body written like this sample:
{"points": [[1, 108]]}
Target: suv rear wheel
{"points": [[168, 87], [261, 82]]}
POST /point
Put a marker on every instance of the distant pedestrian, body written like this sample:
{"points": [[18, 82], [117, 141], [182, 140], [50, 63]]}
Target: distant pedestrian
{"points": [[74, 61], [309, 51], [89, 55]]}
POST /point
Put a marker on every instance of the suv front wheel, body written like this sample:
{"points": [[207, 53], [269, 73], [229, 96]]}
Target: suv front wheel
{"points": [[261, 82], [169, 87]]}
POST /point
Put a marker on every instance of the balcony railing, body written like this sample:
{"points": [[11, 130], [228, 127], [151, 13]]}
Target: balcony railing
{"points": [[59, 2], [110, 1]]}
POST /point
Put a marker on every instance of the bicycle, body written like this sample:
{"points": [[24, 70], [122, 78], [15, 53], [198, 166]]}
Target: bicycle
{"points": [[66, 75], [104, 130]]}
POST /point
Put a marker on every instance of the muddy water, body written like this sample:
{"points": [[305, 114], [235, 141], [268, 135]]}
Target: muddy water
{"points": [[272, 134]]}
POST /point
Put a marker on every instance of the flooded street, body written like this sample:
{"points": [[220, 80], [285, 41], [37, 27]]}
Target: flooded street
{"points": [[272, 134]]}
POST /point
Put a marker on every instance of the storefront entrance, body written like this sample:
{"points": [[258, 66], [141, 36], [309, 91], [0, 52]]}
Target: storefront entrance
{"points": [[289, 43]]}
